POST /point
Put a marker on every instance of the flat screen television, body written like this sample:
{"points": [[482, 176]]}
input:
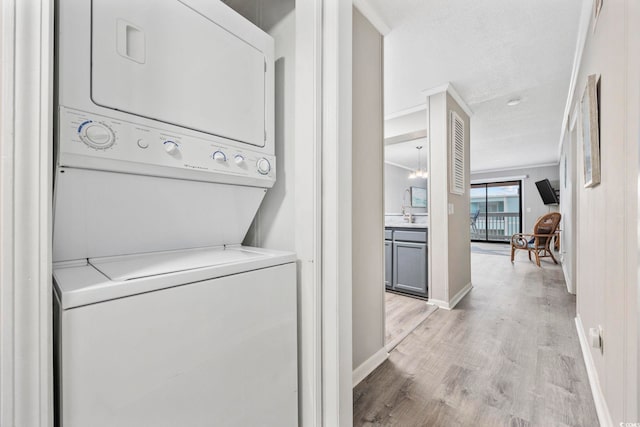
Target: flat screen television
{"points": [[547, 193]]}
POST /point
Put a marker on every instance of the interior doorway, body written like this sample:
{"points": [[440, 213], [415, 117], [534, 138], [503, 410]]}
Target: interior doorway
{"points": [[495, 211]]}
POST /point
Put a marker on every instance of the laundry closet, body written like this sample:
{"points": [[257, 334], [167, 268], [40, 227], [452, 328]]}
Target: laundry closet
{"points": [[171, 131]]}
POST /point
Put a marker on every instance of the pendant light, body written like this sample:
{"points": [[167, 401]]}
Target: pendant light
{"points": [[419, 173]]}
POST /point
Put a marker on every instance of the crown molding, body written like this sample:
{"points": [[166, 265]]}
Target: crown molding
{"points": [[541, 165], [373, 16], [583, 31], [448, 87]]}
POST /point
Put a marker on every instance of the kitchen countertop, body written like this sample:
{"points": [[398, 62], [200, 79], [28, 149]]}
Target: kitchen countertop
{"points": [[407, 225]]}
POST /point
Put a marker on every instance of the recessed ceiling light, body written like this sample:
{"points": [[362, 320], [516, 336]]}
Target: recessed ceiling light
{"points": [[514, 101]]}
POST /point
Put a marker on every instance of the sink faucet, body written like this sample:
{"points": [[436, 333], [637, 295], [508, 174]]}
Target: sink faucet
{"points": [[406, 209]]}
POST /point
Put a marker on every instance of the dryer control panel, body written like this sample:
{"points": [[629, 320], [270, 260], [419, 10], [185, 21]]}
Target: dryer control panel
{"points": [[90, 141]]}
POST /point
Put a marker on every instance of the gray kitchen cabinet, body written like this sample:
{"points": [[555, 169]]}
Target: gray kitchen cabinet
{"points": [[388, 264], [410, 267], [406, 264]]}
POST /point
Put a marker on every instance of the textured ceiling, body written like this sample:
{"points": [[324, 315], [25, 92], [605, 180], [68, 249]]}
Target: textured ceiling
{"points": [[491, 51]]}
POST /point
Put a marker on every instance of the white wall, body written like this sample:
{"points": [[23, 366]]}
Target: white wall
{"points": [[367, 180], [533, 207], [396, 181], [272, 226], [449, 234], [458, 220], [606, 222], [568, 207]]}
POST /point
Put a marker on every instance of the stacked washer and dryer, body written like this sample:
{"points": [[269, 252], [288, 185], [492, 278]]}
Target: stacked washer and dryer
{"points": [[164, 152]]}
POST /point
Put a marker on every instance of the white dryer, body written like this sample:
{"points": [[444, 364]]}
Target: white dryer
{"points": [[164, 152]]}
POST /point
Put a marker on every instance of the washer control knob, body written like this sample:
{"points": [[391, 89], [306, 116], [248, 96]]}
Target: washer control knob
{"points": [[239, 159], [96, 135], [219, 156], [264, 167], [171, 147]]}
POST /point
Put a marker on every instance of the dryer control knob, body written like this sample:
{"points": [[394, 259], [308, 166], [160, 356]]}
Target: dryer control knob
{"points": [[171, 147], [96, 135], [219, 156], [264, 167], [239, 159]]}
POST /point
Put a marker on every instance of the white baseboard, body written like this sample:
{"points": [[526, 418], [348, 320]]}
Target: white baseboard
{"points": [[458, 297], [439, 303], [567, 279], [455, 300], [601, 404], [369, 365]]}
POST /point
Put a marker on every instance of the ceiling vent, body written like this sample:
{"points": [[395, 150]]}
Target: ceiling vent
{"points": [[456, 154]]}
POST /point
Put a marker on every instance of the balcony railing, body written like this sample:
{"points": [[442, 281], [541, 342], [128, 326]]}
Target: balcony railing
{"points": [[497, 226]]}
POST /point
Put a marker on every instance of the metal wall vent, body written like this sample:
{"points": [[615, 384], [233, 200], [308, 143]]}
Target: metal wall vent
{"points": [[456, 154]]}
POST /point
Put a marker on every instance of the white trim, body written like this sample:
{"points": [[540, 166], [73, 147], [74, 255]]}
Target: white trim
{"points": [[369, 365], [398, 166], [308, 193], [461, 294], [461, 102], [598, 397], [573, 120], [448, 87], [439, 303], [373, 16], [499, 179], [455, 300], [406, 112], [541, 165], [583, 30], [337, 361], [567, 278], [434, 90], [406, 137], [26, 147]]}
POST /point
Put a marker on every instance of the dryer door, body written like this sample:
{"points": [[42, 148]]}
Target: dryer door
{"points": [[168, 61]]}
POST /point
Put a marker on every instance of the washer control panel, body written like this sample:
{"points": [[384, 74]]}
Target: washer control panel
{"points": [[96, 135], [98, 142]]}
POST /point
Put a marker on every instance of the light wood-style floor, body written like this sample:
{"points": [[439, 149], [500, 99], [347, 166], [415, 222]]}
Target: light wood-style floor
{"points": [[403, 315], [507, 355]]}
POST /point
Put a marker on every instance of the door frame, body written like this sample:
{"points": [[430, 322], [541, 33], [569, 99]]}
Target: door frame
{"points": [[26, 150], [323, 230], [323, 35], [520, 203]]}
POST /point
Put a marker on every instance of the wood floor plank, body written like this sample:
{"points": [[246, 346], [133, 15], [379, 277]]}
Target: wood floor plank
{"points": [[507, 355], [403, 315]]}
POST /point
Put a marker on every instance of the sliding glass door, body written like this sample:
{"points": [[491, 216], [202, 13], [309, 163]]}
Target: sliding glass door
{"points": [[496, 211]]}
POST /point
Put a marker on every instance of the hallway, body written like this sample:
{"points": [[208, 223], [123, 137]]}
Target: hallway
{"points": [[507, 355]]}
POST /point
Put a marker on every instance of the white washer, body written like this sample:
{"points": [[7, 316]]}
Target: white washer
{"points": [[198, 337], [164, 152]]}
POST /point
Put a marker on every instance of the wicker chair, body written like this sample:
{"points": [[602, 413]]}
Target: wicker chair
{"points": [[473, 218], [544, 231]]}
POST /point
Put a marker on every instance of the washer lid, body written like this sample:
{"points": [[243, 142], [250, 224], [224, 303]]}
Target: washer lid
{"points": [[79, 283], [137, 266]]}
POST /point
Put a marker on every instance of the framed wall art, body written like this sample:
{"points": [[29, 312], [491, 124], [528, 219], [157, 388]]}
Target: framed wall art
{"points": [[418, 197], [597, 7], [591, 132]]}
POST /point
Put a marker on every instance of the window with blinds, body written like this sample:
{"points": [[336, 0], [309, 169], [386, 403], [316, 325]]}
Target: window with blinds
{"points": [[456, 154]]}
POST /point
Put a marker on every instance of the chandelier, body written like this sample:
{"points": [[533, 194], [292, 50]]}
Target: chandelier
{"points": [[419, 173]]}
